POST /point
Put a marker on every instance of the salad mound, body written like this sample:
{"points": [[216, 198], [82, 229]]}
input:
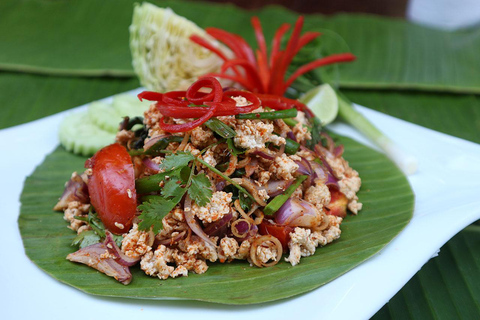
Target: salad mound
{"points": [[174, 193]]}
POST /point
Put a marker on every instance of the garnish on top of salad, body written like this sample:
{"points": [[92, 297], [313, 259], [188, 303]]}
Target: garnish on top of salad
{"points": [[214, 174]]}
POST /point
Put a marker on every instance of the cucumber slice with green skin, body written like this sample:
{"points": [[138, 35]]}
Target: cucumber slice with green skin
{"points": [[78, 134], [104, 116], [129, 106]]}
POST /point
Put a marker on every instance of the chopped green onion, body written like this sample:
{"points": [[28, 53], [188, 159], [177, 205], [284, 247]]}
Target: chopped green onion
{"points": [[280, 114], [220, 128], [279, 200]]}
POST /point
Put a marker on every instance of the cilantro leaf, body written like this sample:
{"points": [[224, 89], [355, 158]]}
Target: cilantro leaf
{"points": [[245, 201], [153, 211], [172, 188], [200, 189], [176, 160]]}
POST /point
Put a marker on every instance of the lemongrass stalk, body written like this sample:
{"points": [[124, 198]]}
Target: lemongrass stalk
{"points": [[406, 162]]}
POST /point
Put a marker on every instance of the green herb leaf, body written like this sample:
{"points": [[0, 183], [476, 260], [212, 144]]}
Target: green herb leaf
{"points": [[233, 149], [200, 189], [245, 201], [220, 128], [279, 200], [172, 188], [153, 212], [176, 160], [86, 238]]}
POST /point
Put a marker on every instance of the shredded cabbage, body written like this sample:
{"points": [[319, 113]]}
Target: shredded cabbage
{"points": [[163, 56]]}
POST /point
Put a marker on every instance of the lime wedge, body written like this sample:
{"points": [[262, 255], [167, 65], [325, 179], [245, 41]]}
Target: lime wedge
{"points": [[323, 102]]}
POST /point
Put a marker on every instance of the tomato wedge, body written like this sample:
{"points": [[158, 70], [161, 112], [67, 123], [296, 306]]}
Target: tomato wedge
{"points": [[282, 233], [112, 187]]}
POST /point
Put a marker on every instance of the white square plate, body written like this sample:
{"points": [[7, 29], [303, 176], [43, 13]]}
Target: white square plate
{"points": [[446, 188]]}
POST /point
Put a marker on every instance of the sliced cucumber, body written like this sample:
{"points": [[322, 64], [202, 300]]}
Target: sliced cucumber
{"points": [[87, 132], [104, 116], [129, 106], [78, 134]]}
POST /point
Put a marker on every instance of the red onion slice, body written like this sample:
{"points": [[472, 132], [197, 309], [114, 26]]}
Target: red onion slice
{"points": [[304, 167], [244, 230], [276, 187], [218, 227], [75, 190], [115, 250], [263, 154], [291, 136], [298, 213], [251, 167], [147, 162], [219, 186], [170, 241], [154, 140], [338, 151], [193, 223], [97, 256]]}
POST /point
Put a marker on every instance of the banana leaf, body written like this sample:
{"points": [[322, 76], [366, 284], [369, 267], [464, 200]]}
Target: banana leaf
{"points": [[54, 37], [388, 206], [448, 287], [457, 115], [30, 97]]}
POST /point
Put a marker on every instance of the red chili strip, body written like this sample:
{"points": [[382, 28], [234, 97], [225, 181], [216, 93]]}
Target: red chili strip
{"points": [[150, 96], [237, 44], [305, 39], [262, 50], [334, 58], [177, 98], [277, 40], [241, 81], [184, 127], [181, 112], [250, 70]]}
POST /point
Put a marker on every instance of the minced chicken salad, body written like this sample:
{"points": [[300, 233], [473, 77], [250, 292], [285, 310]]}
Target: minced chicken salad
{"points": [[252, 186], [215, 174]]}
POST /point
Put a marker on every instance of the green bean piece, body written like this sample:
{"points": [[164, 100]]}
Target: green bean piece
{"points": [[157, 148], [291, 147], [279, 114], [150, 183], [290, 122], [279, 200], [220, 128]]}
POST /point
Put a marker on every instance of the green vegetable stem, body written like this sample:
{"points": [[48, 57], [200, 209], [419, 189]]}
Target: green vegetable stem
{"points": [[280, 114], [407, 163], [279, 200]]}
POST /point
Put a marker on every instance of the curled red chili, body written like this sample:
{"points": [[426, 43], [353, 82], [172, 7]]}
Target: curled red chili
{"points": [[263, 74], [194, 103]]}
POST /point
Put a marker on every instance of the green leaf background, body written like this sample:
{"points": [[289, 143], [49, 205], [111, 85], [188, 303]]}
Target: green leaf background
{"points": [[60, 54]]}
